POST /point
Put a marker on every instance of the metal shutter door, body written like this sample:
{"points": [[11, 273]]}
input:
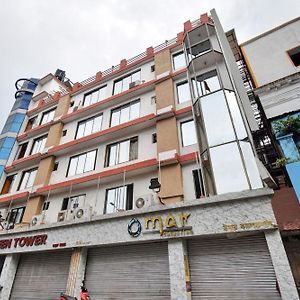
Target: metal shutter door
{"points": [[235, 269], [41, 276], [129, 272]]}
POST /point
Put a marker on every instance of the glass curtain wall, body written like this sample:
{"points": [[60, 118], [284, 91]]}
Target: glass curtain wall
{"points": [[227, 157]]}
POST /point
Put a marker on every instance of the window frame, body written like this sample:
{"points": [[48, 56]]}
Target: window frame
{"points": [[129, 193], [123, 106], [78, 155], [66, 200], [198, 189], [297, 48], [12, 224], [177, 93], [23, 175], [108, 151], [86, 120], [173, 61], [45, 113], [181, 133], [92, 92], [122, 78], [43, 137], [11, 179]]}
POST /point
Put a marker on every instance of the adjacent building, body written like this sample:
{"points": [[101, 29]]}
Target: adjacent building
{"points": [[143, 180], [273, 60]]}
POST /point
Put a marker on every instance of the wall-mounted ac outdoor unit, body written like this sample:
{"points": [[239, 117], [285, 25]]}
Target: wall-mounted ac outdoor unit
{"points": [[134, 83], [144, 201], [37, 220], [61, 216], [84, 212]]}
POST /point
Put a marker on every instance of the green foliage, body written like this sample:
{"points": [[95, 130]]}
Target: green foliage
{"points": [[281, 162], [288, 125]]}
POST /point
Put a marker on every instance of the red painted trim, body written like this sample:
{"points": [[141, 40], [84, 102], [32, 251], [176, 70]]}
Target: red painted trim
{"points": [[22, 160], [23, 135], [102, 132], [14, 197], [187, 157], [111, 98], [183, 110]]}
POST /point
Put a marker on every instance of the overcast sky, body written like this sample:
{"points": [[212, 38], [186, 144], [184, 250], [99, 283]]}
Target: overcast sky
{"points": [[86, 36]]}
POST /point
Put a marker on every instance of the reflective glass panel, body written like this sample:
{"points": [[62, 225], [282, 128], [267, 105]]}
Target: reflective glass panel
{"points": [[124, 151], [183, 92], [178, 61], [90, 161], [188, 133], [135, 110]]}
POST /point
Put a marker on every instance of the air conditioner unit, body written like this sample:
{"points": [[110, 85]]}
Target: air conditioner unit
{"points": [[61, 216], [134, 83], [144, 201], [84, 212], [75, 108], [37, 220], [4, 213]]}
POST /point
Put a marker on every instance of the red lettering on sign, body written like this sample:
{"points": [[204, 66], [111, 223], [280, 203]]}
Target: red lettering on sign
{"points": [[29, 241]]}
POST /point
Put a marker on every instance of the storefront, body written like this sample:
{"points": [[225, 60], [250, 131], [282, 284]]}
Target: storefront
{"points": [[223, 248], [41, 275]]}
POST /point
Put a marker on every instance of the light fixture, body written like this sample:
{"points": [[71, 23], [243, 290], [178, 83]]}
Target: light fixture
{"points": [[154, 185]]}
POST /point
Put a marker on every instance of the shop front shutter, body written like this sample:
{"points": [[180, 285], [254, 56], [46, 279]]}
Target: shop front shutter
{"points": [[232, 269], [41, 276], [129, 272]]}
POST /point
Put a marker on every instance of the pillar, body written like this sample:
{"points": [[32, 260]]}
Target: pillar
{"points": [[8, 275], [76, 272], [179, 270], [281, 266]]}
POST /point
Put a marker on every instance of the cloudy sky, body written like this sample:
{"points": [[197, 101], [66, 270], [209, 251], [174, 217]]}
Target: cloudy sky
{"points": [[85, 36]]}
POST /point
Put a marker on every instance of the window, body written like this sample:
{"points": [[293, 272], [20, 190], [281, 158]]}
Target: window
{"points": [[64, 133], [295, 56], [9, 181], [206, 83], [178, 60], [38, 144], [89, 126], [73, 202], [154, 138], [152, 68], [122, 84], [188, 133], [119, 199], [198, 183], [121, 152], [15, 216], [95, 96], [22, 150], [82, 163], [125, 113], [55, 167], [13, 123], [198, 49], [48, 116], [27, 179], [46, 205], [31, 123], [183, 92], [6, 144]]}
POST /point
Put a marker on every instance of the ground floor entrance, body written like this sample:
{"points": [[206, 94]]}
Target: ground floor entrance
{"points": [[41, 276]]}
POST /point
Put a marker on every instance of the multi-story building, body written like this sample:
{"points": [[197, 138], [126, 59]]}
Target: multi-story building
{"points": [[143, 181], [273, 60]]}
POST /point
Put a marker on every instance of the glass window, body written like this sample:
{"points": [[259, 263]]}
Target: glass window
{"points": [[121, 152], [228, 169], [8, 184], [206, 83], [125, 113], [6, 144], [178, 61], [39, 144], [218, 126], [188, 133], [82, 163], [183, 92], [295, 55], [15, 216], [89, 126], [27, 179], [48, 116], [73, 202], [198, 183], [13, 123], [121, 85], [119, 199], [95, 96]]}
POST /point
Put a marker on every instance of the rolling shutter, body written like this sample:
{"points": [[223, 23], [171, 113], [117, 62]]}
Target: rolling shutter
{"points": [[41, 276], [232, 269], [129, 272]]}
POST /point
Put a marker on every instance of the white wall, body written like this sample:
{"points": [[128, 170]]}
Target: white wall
{"points": [[267, 54]]}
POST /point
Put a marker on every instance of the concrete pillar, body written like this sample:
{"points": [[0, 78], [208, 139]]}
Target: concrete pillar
{"points": [[76, 272], [179, 270], [8, 275], [281, 266]]}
